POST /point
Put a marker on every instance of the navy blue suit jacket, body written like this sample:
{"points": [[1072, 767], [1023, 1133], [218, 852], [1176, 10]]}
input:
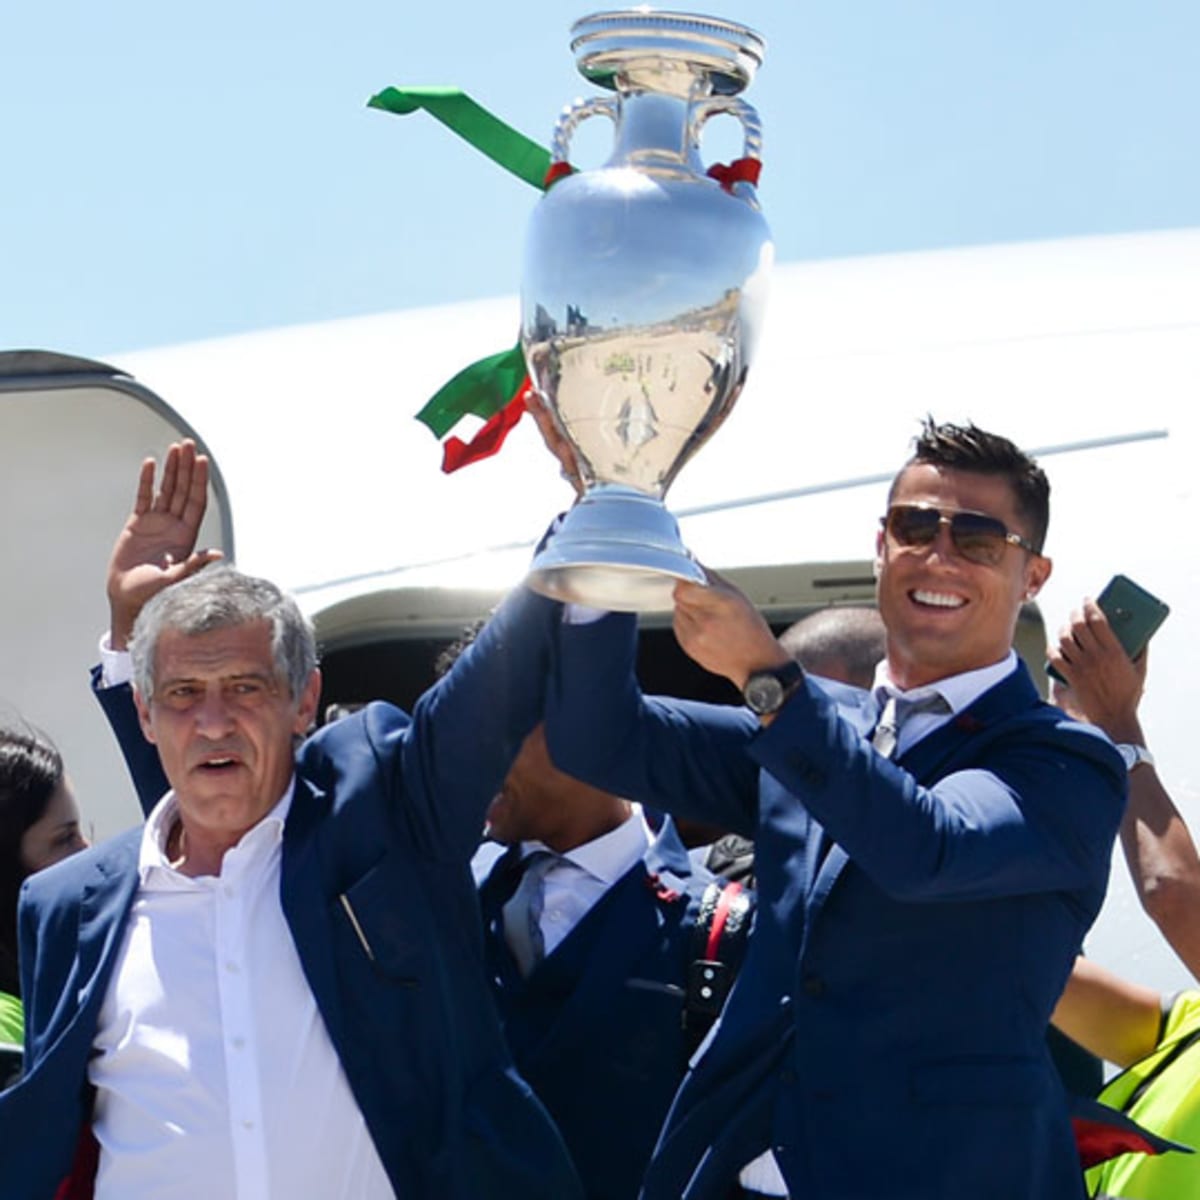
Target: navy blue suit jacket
{"points": [[385, 816], [916, 923], [597, 1028]]}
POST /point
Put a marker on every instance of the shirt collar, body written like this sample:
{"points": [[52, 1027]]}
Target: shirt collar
{"points": [[959, 691], [608, 857], [259, 838]]}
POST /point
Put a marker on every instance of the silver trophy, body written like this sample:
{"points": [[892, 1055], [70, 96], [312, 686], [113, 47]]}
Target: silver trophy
{"points": [[643, 293]]}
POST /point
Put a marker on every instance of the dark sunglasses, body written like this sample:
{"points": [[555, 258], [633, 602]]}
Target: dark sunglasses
{"points": [[977, 537]]}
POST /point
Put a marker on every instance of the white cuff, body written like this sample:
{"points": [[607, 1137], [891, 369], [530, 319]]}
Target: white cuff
{"points": [[116, 666], [582, 614]]}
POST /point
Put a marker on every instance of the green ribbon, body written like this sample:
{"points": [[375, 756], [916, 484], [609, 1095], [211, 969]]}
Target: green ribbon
{"points": [[481, 389], [474, 124]]}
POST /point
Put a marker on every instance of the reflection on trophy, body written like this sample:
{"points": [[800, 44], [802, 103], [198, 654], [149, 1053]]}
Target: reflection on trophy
{"points": [[643, 293]]}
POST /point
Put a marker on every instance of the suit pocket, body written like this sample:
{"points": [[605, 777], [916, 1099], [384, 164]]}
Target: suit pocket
{"points": [[378, 912], [1012, 1081]]}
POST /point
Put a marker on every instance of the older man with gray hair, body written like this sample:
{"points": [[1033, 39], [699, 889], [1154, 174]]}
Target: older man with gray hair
{"points": [[276, 989]]}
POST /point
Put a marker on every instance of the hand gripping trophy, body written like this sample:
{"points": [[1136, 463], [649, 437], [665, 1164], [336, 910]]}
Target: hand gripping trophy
{"points": [[643, 293]]}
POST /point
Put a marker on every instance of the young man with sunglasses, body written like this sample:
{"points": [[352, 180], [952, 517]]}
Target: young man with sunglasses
{"points": [[924, 883]]}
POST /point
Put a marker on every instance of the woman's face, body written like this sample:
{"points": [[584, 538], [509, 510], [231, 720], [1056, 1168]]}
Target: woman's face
{"points": [[56, 834]]}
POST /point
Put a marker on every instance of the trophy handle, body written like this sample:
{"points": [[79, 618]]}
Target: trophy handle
{"points": [[572, 116], [733, 106]]}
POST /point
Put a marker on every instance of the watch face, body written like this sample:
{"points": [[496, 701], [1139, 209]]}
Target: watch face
{"points": [[763, 694]]}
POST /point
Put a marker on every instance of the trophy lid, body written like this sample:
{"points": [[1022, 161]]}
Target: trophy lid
{"points": [[606, 44]]}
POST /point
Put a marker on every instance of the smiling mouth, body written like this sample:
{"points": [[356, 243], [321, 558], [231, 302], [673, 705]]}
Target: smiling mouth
{"points": [[936, 599]]}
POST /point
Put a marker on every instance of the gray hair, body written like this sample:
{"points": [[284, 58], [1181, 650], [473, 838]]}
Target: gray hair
{"points": [[219, 597]]}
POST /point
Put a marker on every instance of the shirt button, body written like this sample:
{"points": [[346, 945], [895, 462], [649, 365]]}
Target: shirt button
{"points": [[228, 892], [231, 967], [247, 1125], [238, 1043]]}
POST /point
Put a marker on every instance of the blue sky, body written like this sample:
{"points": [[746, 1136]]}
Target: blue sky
{"points": [[179, 171]]}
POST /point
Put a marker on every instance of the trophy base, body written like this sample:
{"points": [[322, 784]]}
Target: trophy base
{"points": [[617, 549]]}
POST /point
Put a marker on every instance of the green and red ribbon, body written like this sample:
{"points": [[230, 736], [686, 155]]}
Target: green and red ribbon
{"points": [[494, 388]]}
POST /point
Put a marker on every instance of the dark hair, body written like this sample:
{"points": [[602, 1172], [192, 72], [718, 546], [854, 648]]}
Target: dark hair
{"points": [[457, 648], [31, 770], [841, 643], [969, 448]]}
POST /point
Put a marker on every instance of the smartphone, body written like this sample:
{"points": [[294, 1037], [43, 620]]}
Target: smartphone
{"points": [[1133, 613]]}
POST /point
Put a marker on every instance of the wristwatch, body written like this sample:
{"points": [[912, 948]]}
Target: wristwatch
{"points": [[1134, 755], [765, 691]]}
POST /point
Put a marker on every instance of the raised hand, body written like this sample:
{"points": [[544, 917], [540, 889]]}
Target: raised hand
{"points": [[157, 545], [719, 628], [1103, 685], [558, 445]]}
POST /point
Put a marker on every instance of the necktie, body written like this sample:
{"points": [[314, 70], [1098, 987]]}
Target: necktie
{"points": [[523, 912], [896, 711]]}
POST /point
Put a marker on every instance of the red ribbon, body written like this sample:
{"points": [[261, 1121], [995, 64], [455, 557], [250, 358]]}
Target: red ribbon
{"points": [[720, 917], [457, 453], [555, 172], [741, 170]]}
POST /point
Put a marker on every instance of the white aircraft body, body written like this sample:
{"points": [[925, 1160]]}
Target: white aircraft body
{"points": [[1085, 351]]}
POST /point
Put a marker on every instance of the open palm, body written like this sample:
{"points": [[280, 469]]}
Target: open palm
{"points": [[157, 545]]}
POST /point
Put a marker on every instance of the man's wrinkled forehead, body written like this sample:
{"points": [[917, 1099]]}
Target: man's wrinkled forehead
{"points": [[229, 651]]}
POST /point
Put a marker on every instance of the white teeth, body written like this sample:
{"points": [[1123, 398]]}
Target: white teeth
{"points": [[938, 599]]}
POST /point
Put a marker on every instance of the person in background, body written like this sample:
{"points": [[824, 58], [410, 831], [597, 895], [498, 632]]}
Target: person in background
{"points": [[843, 642], [39, 825], [598, 929], [1154, 1037], [1104, 687]]}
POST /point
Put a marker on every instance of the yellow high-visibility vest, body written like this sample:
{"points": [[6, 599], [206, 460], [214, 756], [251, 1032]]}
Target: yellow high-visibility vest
{"points": [[1161, 1092]]}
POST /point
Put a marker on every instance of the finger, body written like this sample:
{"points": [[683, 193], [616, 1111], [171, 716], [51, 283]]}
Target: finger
{"points": [[1141, 663], [1098, 627], [166, 487], [1077, 627], [196, 498], [144, 497], [190, 565], [691, 598], [177, 499]]}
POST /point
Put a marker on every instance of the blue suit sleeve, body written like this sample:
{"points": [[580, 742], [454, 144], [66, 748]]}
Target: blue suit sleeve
{"points": [[1037, 810], [686, 758], [141, 756], [442, 769]]}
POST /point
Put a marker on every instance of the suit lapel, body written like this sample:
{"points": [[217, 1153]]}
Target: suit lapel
{"points": [[305, 905], [624, 926], [824, 857], [930, 759], [933, 756], [103, 903], [624, 936]]}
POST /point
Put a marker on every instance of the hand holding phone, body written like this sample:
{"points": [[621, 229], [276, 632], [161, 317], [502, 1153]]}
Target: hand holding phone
{"points": [[1133, 614]]}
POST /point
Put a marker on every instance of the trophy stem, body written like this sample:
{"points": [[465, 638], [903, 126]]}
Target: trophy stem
{"points": [[617, 549]]}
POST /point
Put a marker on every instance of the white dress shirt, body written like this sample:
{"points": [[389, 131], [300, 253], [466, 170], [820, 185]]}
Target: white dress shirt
{"points": [[958, 691], [581, 876], [215, 1076]]}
